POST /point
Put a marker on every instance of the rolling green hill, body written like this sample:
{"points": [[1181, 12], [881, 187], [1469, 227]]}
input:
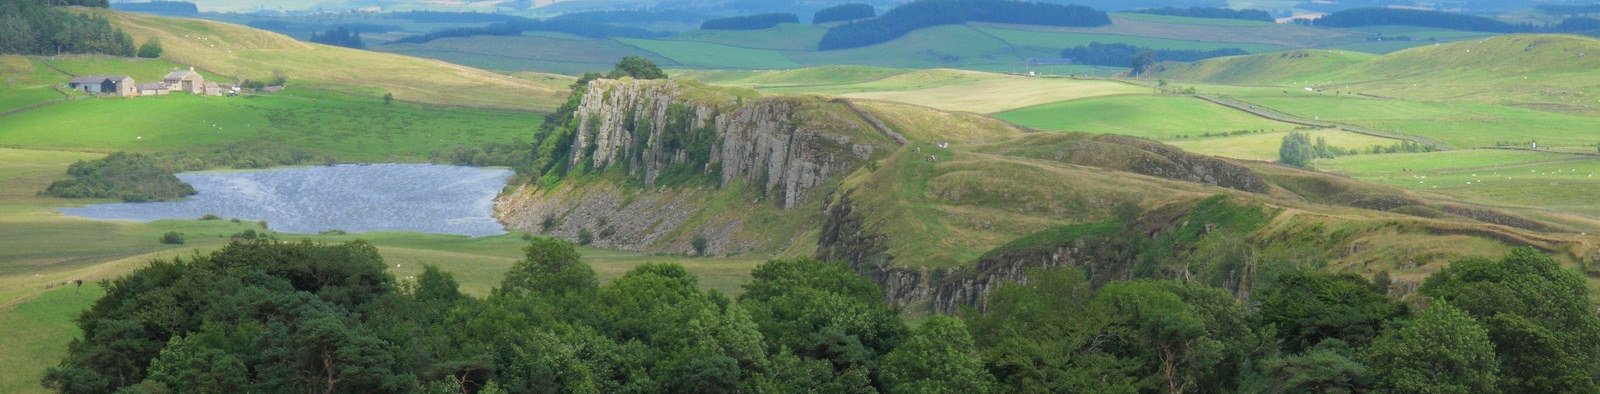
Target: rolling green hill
{"points": [[1285, 68], [242, 53], [977, 46], [1513, 69]]}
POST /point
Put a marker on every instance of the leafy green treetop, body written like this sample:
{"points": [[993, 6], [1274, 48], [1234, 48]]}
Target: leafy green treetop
{"points": [[637, 67]]}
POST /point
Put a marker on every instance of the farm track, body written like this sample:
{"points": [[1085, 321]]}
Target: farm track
{"points": [[1287, 118]]}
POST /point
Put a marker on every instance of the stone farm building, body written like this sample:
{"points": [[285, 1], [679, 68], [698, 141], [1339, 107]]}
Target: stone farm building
{"points": [[114, 85], [154, 89], [186, 81]]}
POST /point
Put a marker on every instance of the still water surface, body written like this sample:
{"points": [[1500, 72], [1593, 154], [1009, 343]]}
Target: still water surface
{"points": [[355, 198]]}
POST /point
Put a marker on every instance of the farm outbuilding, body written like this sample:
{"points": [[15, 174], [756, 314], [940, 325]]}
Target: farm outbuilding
{"points": [[153, 89], [114, 85]]}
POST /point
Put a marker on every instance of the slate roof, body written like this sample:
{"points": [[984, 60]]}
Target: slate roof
{"points": [[178, 75], [90, 79]]}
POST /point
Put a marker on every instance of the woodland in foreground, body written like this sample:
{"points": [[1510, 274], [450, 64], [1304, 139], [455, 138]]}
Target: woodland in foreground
{"points": [[268, 316]]}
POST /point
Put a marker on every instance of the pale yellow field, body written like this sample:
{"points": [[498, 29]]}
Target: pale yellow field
{"points": [[998, 92], [1264, 146]]}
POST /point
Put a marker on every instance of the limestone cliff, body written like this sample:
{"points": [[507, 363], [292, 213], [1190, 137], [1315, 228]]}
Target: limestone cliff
{"points": [[707, 160], [654, 127]]}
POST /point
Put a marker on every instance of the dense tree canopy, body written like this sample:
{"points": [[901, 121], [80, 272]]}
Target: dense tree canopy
{"points": [[127, 176], [1538, 315], [1296, 150], [928, 13], [844, 12], [268, 316], [32, 27], [751, 22], [1442, 351], [340, 36]]}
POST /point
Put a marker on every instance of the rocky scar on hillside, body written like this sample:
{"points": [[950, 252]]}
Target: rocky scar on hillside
{"points": [[683, 143]]}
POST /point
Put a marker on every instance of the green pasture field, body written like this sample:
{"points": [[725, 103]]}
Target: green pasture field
{"points": [[1421, 34], [961, 90], [1160, 117], [24, 82], [141, 70], [1264, 146], [924, 48], [1183, 20], [950, 89], [1533, 180], [245, 53], [568, 55], [37, 333], [1378, 47], [1054, 41], [787, 36], [1460, 125], [801, 78], [702, 54], [1062, 40], [343, 127]]}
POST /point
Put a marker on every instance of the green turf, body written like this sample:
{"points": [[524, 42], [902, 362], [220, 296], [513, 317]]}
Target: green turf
{"points": [[1461, 125], [1180, 20], [346, 128], [1419, 33], [528, 52], [1150, 116], [1062, 40], [37, 333], [1264, 146], [787, 36], [701, 54], [797, 78], [141, 70], [244, 53], [1544, 181], [923, 48]]}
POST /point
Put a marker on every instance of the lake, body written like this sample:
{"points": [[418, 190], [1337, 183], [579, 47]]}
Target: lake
{"points": [[425, 198]]}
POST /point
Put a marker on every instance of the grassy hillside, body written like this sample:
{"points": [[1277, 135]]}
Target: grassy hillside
{"points": [[1286, 68], [1521, 179], [1512, 69], [567, 55], [327, 125], [241, 53], [947, 89], [1160, 117], [710, 55]]}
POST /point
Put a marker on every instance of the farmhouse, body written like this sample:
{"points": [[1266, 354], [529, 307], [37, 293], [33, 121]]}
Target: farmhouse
{"points": [[114, 85], [186, 81], [153, 89]]}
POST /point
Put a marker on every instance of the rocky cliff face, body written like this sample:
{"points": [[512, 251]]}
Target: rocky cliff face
{"points": [[1103, 257], [683, 143], [658, 128]]}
